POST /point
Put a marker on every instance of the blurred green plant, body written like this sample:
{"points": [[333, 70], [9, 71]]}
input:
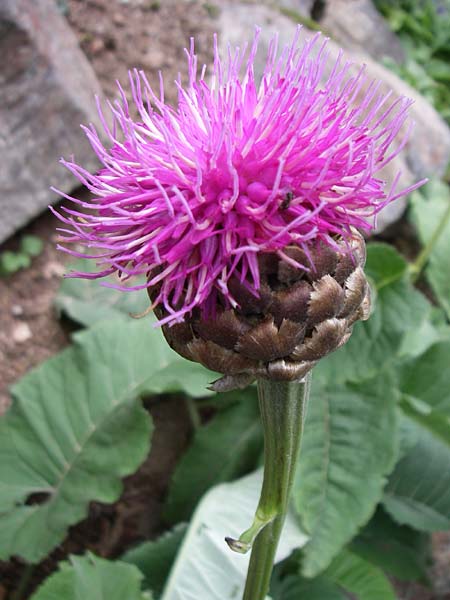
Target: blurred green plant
{"points": [[11, 262], [430, 213], [423, 26]]}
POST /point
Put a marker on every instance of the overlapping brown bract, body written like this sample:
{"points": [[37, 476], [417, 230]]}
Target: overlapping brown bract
{"points": [[299, 317]]}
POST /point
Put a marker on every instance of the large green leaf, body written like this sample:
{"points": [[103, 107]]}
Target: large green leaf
{"points": [[349, 446], [418, 339], [92, 578], [398, 550], [205, 567], [225, 448], [86, 301], [177, 375], [429, 208], [428, 378], [167, 371], [360, 577], [155, 558], [297, 588], [377, 344], [75, 429], [347, 574], [384, 265], [418, 492]]}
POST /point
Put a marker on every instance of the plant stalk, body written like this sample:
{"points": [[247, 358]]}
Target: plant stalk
{"points": [[283, 410]]}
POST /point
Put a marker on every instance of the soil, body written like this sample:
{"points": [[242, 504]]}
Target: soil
{"points": [[30, 332], [117, 35]]}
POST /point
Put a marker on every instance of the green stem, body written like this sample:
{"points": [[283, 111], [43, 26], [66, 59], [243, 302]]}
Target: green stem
{"points": [[283, 408], [417, 266]]}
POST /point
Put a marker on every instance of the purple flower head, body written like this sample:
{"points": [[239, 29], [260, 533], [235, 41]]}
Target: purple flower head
{"points": [[191, 196]]}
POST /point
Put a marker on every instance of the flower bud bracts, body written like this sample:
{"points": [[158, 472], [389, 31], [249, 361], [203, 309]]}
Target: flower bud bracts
{"points": [[299, 316]]}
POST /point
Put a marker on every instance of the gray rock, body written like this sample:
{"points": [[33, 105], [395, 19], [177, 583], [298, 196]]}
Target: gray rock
{"points": [[237, 23], [47, 89], [357, 25], [427, 152]]}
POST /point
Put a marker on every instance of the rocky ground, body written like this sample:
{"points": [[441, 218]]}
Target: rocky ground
{"points": [[116, 35]]}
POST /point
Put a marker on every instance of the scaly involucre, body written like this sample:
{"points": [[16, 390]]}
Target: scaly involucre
{"points": [[191, 196]]}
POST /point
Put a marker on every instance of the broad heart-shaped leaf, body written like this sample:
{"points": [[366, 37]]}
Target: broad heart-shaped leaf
{"points": [[75, 429], [205, 567], [418, 491], [359, 577], [225, 448], [154, 559], [92, 578], [398, 550], [350, 445], [429, 208], [427, 378], [376, 344], [86, 301]]}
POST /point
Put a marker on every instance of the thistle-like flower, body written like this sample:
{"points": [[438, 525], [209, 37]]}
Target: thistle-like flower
{"points": [[241, 205]]}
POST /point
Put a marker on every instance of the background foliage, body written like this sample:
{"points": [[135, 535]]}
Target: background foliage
{"points": [[424, 28]]}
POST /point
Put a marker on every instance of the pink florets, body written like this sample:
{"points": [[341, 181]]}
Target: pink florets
{"points": [[190, 196]]}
